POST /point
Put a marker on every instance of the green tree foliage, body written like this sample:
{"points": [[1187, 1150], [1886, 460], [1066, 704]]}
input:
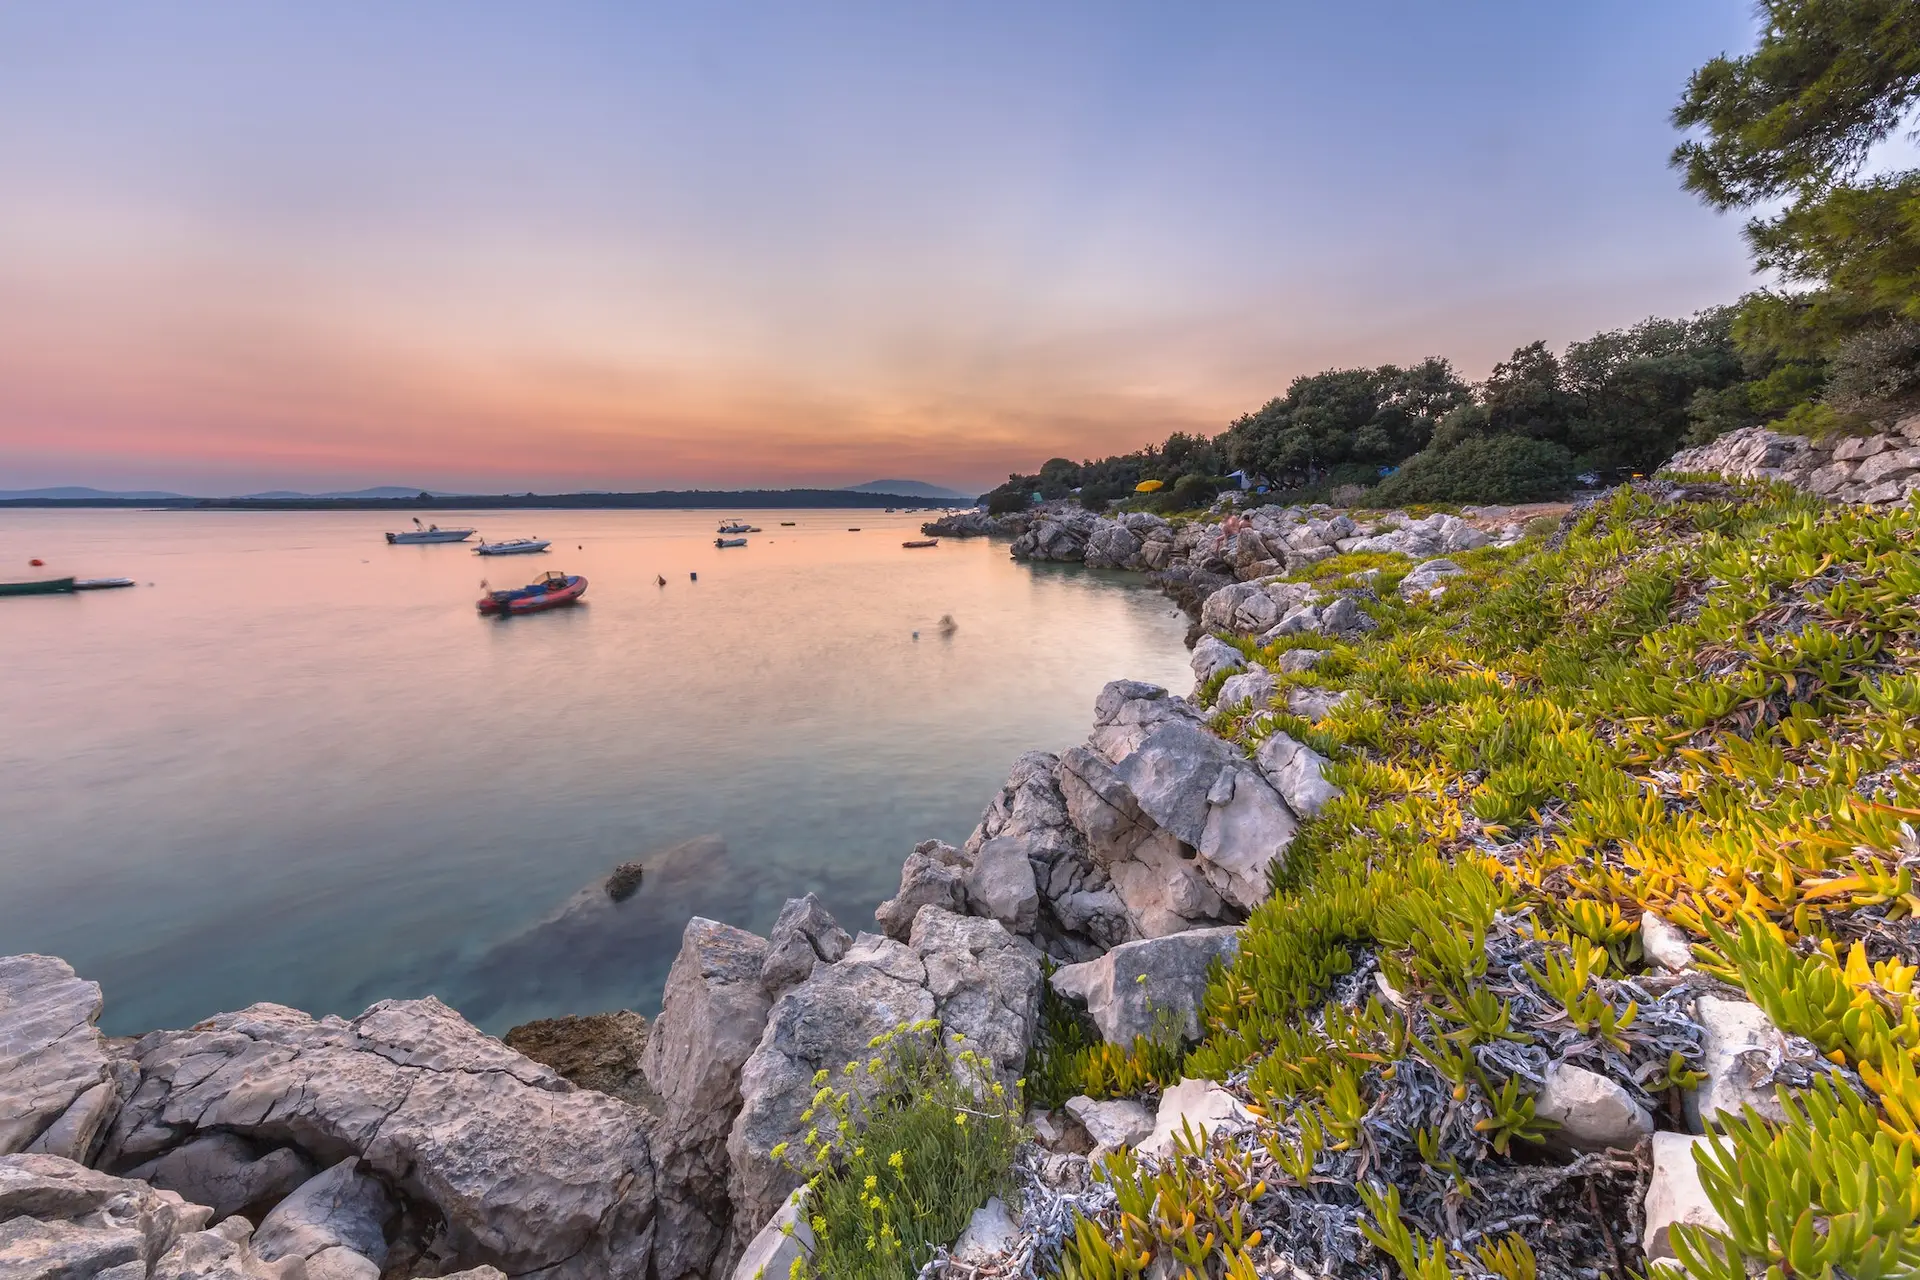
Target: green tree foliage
{"points": [[1482, 469], [1343, 417], [1790, 127]]}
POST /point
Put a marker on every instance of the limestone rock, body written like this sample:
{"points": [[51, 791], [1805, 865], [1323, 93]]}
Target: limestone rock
{"points": [[784, 1240], [1311, 702], [56, 1085], [1212, 655], [804, 935], [1137, 983], [524, 1169], [934, 875], [227, 1173], [1248, 828], [1674, 1194], [988, 1234], [1000, 884], [1428, 579], [711, 1016], [1742, 1052], [1111, 1125], [1297, 772], [340, 1208], [1664, 944], [1200, 1104], [985, 987], [1295, 661], [1171, 773], [1593, 1112], [1253, 687], [1128, 711], [61, 1219]]}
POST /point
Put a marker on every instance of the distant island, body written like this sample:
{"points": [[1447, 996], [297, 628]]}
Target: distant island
{"points": [[913, 494]]}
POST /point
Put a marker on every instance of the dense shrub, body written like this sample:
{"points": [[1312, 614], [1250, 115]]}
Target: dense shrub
{"points": [[1482, 469], [1005, 500], [903, 1148]]}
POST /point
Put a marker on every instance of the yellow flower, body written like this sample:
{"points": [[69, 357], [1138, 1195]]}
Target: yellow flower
{"points": [[960, 1119], [897, 1160], [872, 1182], [779, 1149]]}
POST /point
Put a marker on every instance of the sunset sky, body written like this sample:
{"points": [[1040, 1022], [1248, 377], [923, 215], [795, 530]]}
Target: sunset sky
{"points": [[561, 246]]}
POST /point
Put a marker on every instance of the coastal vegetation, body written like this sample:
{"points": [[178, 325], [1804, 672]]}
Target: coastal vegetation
{"points": [[1695, 704]]}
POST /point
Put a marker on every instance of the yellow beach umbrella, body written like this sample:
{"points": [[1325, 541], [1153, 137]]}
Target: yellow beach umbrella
{"points": [[1149, 486]]}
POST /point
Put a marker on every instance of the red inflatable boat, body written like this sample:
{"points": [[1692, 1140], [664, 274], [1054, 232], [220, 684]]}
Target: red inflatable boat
{"points": [[551, 592]]}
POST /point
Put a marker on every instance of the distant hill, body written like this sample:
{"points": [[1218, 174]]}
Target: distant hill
{"points": [[378, 491], [909, 489], [80, 493]]}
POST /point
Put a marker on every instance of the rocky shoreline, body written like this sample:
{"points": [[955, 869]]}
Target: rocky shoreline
{"points": [[405, 1142]]}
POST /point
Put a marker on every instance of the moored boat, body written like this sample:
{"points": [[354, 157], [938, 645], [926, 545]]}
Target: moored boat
{"points": [[100, 584], [512, 547], [43, 587], [735, 526], [428, 533], [729, 542], [921, 542], [551, 592]]}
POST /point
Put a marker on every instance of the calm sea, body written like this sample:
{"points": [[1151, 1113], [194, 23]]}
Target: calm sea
{"points": [[294, 764]]}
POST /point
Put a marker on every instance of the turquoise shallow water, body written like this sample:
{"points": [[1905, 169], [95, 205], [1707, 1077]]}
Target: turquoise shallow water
{"points": [[298, 766]]}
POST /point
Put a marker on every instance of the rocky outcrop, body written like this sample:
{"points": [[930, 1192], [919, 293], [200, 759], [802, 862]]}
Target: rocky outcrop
{"points": [[1298, 773], [972, 524], [1884, 467], [1428, 580], [1149, 987], [711, 1016], [57, 1085], [1136, 540], [803, 936], [600, 1051], [61, 1219], [1592, 1112], [524, 1171]]}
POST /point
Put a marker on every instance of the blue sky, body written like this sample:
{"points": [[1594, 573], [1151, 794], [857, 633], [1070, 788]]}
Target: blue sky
{"points": [[629, 245]]}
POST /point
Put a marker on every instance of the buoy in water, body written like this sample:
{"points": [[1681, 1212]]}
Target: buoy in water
{"points": [[693, 577], [36, 563], [663, 578]]}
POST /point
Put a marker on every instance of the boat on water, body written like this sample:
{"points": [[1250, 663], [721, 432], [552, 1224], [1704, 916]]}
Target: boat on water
{"points": [[786, 524], [853, 528], [100, 584], [428, 533], [729, 542], [43, 587], [921, 542], [551, 592], [735, 526], [512, 547]]}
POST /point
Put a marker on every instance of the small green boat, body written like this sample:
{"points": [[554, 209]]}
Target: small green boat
{"points": [[44, 587]]}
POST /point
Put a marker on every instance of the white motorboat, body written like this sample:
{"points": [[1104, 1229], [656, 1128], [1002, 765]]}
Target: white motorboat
{"points": [[511, 547], [428, 533], [729, 542], [736, 526]]}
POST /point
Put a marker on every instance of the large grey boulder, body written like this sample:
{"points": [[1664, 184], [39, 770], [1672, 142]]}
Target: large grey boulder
{"points": [[341, 1208], [227, 1173], [62, 1221], [526, 1171], [805, 934], [1127, 711], [1248, 829], [1171, 773], [824, 1023], [1000, 884], [1298, 773], [1153, 879], [1311, 702], [985, 987], [934, 875], [1112, 545], [1255, 687], [1593, 1113], [57, 1086], [1212, 655], [711, 1016], [1135, 988]]}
